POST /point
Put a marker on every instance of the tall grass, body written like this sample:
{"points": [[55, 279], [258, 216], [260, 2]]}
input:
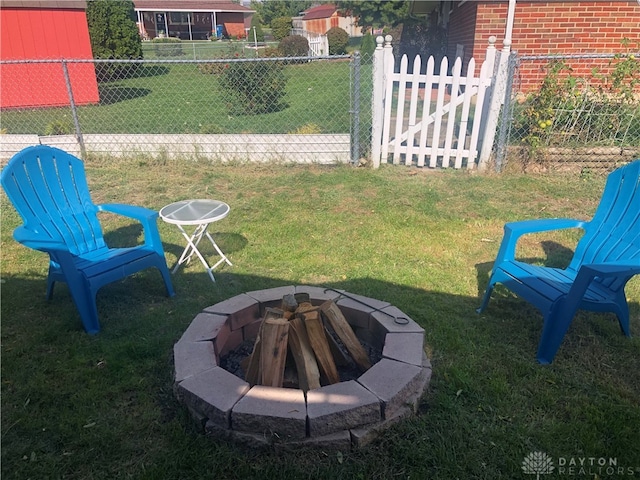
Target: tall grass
{"points": [[81, 407]]}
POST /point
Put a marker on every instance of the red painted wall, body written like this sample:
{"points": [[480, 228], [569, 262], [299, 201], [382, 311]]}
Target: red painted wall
{"points": [[37, 34], [547, 28]]}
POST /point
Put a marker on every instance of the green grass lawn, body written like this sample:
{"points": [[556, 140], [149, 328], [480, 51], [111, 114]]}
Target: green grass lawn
{"points": [[179, 98], [102, 407]]}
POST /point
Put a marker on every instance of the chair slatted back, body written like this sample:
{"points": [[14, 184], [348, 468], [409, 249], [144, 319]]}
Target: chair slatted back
{"points": [[49, 190], [614, 232]]}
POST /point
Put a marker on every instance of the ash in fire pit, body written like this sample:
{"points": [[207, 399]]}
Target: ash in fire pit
{"points": [[210, 378]]}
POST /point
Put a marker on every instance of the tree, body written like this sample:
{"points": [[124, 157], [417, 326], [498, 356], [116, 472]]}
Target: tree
{"points": [[114, 35], [113, 31], [376, 13], [272, 9], [281, 27], [255, 32]]}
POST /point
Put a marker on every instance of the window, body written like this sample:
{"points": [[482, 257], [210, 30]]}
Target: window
{"points": [[179, 18]]}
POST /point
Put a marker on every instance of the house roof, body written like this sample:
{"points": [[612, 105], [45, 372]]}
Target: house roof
{"points": [[190, 6], [320, 11], [55, 4]]}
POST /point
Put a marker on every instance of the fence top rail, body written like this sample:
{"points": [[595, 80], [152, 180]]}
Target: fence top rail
{"points": [[151, 61], [576, 56]]}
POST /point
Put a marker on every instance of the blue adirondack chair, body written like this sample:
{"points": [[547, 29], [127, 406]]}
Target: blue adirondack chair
{"points": [[48, 188], [605, 258]]}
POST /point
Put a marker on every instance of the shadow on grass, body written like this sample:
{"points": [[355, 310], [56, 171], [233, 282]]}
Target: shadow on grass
{"points": [[110, 94], [128, 367], [556, 256], [131, 235]]}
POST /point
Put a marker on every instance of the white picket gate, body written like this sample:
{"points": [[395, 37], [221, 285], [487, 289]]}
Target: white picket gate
{"points": [[318, 44], [429, 119]]}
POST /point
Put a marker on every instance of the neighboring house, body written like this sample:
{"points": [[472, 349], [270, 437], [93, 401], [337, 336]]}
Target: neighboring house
{"points": [[321, 18], [544, 28], [192, 19], [45, 30]]}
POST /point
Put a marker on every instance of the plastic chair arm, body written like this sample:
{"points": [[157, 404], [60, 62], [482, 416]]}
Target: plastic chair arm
{"points": [[514, 230], [37, 241], [543, 225], [145, 216], [131, 211]]}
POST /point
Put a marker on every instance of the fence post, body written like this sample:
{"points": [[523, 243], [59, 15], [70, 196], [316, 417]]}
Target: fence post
{"points": [[74, 110], [495, 104], [507, 112], [377, 100], [355, 113]]}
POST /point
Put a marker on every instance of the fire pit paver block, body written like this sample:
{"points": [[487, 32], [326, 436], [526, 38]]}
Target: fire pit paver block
{"points": [[271, 297], [213, 393], [317, 295], [359, 313], [341, 406], [229, 342], [404, 347], [241, 309], [383, 324], [340, 441], [250, 330], [270, 410], [392, 382], [204, 327], [423, 381], [192, 358]]}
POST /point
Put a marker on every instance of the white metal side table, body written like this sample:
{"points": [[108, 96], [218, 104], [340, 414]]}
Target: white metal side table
{"points": [[199, 214]]}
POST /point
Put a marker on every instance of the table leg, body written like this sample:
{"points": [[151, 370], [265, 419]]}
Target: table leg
{"points": [[193, 241]]}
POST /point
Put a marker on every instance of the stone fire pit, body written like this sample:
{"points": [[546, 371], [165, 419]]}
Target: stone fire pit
{"points": [[344, 415]]}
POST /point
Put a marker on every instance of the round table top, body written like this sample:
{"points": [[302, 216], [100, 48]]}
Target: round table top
{"points": [[194, 212]]}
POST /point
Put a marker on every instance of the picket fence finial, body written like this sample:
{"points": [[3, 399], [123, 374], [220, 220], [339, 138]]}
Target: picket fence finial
{"points": [[379, 41]]}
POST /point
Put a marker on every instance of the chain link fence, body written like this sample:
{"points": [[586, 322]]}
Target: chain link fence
{"points": [[568, 112], [233, 106]]}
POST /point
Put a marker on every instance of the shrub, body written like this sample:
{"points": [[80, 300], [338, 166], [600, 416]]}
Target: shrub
{"points": [[167, 47], [367, 47], [281, 27], [269, 52], [59, 127], [254, 87], [294, 46], [568, 110], [307, 129], [338, 40], [211, 128], [211, 68]]}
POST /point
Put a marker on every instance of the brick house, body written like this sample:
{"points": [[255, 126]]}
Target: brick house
{"points": [[192, 19], [552, 27]]}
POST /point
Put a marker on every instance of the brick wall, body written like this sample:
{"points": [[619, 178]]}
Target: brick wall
{"points": [[462, 31], [547, 28]]}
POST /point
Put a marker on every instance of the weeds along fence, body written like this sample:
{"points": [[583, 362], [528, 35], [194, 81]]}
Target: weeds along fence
{"points": [[300, 109], [573, 111]]}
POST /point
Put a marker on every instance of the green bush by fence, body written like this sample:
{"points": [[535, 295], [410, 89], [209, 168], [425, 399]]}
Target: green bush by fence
{"points": [[167, 47]]}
